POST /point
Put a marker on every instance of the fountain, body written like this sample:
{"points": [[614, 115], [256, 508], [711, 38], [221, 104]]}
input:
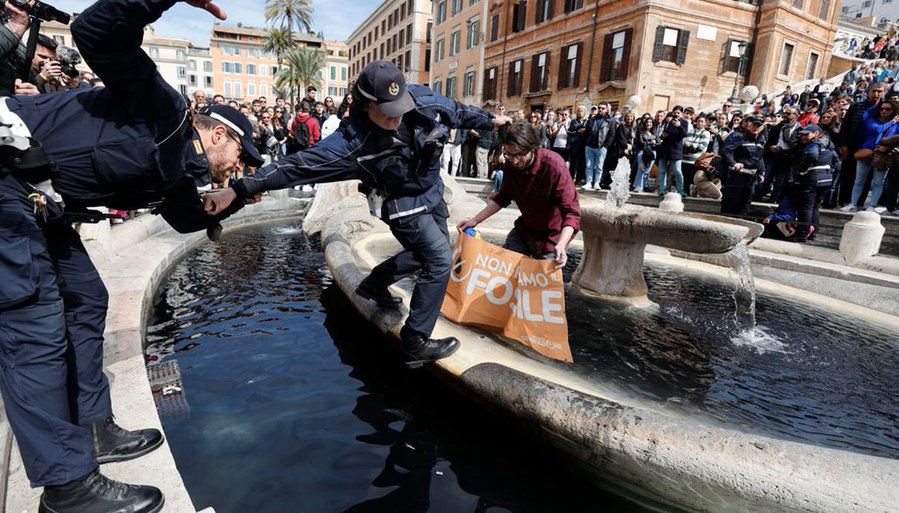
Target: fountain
{"points": [[618, 410], [616, 235]]}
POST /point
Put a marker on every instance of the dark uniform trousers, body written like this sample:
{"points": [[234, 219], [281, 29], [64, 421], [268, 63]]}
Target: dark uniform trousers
{"points": [[737, 193], [52, 317], [426, 247], [810, 196]]}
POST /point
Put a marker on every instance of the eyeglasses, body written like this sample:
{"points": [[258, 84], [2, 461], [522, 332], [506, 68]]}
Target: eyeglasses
{"points": [[517, 157]]}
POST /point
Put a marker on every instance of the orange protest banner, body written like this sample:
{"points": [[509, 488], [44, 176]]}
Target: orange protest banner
{"points": [[499, 289]]}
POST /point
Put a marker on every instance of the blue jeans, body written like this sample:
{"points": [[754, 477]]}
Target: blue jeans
{"points": [[862, 172], [426, 247], [665, 166], [515, 242], [642, 171], [596, 158], [497, 180]]}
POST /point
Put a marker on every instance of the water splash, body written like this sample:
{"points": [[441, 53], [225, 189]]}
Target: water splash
{"points": [[744, 293], [621, 178], [760, 339]]}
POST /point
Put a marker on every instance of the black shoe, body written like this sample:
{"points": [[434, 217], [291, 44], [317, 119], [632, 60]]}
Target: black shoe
{"points": [[419, 350], [97, 493], [382, 297], [113, 443]]}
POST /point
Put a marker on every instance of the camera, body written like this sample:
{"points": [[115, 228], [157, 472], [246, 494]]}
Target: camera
{"points": [[41, 11], [68, 59]]}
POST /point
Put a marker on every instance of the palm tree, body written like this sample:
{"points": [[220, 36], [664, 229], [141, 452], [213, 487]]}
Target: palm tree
{"points": [[303, 67], [289, 14], [279, 43]]}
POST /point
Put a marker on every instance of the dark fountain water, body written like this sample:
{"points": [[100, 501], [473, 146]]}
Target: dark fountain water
{"points": [[295, 404]]}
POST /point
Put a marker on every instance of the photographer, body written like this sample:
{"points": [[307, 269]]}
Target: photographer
{"points": [[12, 53], [132, 144]]}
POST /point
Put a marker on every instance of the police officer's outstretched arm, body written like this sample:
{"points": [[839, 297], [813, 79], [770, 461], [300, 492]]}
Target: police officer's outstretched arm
{"points": [[331, 160], [451, 113], [109, 34]]}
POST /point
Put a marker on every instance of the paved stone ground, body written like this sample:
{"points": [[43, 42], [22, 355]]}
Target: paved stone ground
{"points": [[132, 258]]}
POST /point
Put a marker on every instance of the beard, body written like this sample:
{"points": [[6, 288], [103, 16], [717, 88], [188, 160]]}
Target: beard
{"points": [[219, 171]]}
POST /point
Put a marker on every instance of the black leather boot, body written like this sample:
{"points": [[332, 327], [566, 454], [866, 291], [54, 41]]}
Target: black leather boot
{"points": [[382, 297], [99, 494], [113, 443], [419, 350]]}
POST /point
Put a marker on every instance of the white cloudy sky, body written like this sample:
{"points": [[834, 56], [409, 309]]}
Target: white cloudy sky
{"points": [[336, 18]]}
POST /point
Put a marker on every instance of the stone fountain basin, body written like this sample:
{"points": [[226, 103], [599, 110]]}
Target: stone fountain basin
{"points": [[696, 233], [658, 457]]}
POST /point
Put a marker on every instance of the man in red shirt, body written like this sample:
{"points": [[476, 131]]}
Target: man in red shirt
{"points": [[539, 183], [303, 139]]}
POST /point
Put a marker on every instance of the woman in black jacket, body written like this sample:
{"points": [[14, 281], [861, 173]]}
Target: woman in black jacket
{"points": [[625, 134], [645, 145]]}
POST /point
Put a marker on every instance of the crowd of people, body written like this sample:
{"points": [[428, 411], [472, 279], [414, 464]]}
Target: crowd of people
{"points": [[763, 154]]}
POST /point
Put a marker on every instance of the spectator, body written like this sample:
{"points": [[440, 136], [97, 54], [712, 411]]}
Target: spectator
{"points": [[559, 134], [309, 100], [625, 135], [782, 144], [877, 123], [671, 151], [233, 104], [304, 130], [540, 128], [538, 182], [805, 96], [331, 124], [851, 127], [645, 145], [600, 136], [218, 100], [319, 115], [577, 129], [809, 115], [344, 110], [199, 101], [486, 142], [696, 144], [451, 158]]}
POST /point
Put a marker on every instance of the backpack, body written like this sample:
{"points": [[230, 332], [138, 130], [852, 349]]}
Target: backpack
{"points": [[300, 139]]}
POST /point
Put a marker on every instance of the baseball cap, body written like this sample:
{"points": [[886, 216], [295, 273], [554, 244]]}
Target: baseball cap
{"points": [[754, 120], [382, 83], [233, 119], [810, 129]]}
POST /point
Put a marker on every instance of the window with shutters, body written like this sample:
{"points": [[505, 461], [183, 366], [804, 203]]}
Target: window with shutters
{"points": [[474, 33], [457, 7], [786, 59], [516, 70], [438, 84], [824, 9], [468, 83], [427, 59], [450, 87], [494, 28], [812, 66], [573, 5], [544, 11], [454, 42], [490, 84], [539, 72], [519, 12], [440, 13], [570, 65], [731, 60], [670, 45], [615, 56], [438, 50], [409, 7]]}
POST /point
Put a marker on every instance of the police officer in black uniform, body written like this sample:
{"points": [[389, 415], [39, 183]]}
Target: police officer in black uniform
{"points": [[392, 141], [130, 145], [813, 177], [744, 166]]}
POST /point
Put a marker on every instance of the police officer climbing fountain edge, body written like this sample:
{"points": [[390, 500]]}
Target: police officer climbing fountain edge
{"points": [[129, 145], [392, 142]]}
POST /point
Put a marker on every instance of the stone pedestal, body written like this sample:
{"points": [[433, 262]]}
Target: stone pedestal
{"points": [[861, 237], [672, 203], [612, 269]]}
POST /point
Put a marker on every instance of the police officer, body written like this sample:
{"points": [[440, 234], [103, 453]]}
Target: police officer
{"points": [[392, 141], [744, 166], [813, 176], [130, 145]]}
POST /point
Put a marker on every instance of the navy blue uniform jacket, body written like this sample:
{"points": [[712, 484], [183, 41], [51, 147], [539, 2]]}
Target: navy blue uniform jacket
{"points": [[397, 163], [128, 145]]}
